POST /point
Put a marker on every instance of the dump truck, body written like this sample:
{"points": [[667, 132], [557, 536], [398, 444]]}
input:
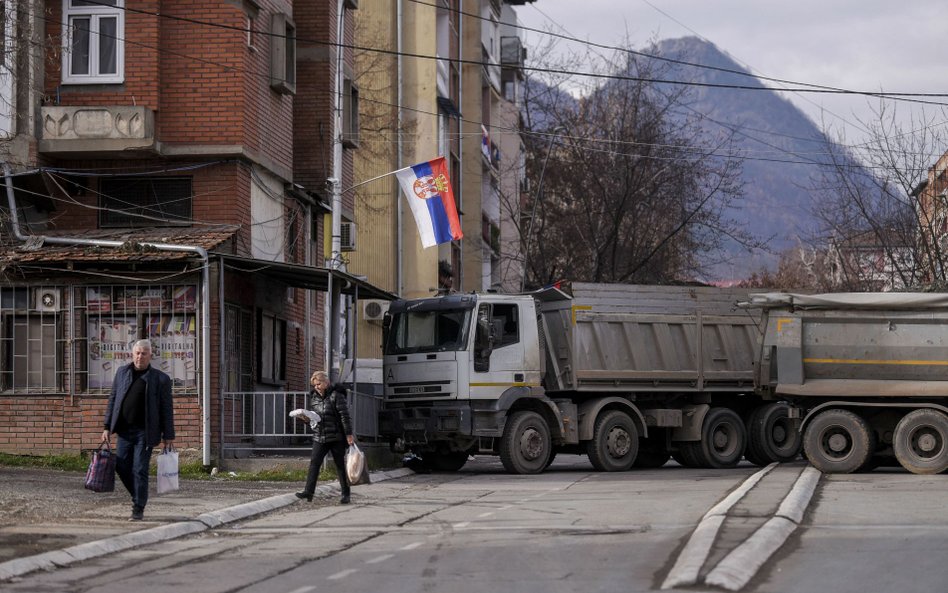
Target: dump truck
{"points": [[865, 373], [629, 375]]}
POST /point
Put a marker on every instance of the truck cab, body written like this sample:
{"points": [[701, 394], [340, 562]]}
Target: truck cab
{"points": [[452, 366]]}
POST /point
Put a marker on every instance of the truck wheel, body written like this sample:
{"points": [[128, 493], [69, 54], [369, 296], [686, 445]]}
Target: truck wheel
{"points": [[688, 454], [652, 452], [451, 461], [837, 442], [615, 442], [772, 436], [921, 441], [650, 458], [525, 446], [723, 439]]}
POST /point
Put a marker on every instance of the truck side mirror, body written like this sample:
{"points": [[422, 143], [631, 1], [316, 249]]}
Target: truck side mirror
{"points": [[386, 328]]}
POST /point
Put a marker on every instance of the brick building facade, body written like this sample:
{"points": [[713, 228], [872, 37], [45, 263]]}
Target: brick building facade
{"points": [[174, 189]]}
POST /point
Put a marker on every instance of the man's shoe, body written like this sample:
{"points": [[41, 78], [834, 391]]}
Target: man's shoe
{"points": [[138, 514], [305, 496], [344, 499]]}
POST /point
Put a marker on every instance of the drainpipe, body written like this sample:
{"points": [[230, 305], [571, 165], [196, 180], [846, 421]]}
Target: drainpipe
{"points": [[399, 273], [461, 147], [205, 300]]}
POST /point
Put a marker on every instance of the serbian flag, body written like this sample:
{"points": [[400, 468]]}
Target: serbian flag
{"points": [[428, 190]]}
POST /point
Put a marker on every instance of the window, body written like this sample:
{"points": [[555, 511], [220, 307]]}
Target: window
{"points": [[283, 54], [272, 349], [116, 316], [94, 41], [252, 10], [350, 113], [144, 201], [29, 340]]}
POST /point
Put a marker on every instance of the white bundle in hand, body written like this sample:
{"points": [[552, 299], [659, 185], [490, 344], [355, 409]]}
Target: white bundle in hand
{"points": [[313, 416]]}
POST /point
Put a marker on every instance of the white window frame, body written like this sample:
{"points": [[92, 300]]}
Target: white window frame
{"points": [[9, 52], [94, 13]]}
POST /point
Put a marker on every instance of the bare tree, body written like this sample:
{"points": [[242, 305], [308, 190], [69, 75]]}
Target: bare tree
{"points": [[881, 205], [625, 192]]}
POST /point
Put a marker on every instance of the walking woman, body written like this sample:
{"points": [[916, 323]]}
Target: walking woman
{"points": [[332, 433]]}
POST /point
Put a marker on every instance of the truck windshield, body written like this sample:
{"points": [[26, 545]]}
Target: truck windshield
{"points": [[428, 331]]}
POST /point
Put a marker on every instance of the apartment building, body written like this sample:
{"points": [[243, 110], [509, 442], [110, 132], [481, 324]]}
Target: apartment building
{"points": [[438, 79], [166, 178]]}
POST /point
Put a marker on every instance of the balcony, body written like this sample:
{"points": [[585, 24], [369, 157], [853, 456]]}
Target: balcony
{"points": [[96, 131], [512, 52]]}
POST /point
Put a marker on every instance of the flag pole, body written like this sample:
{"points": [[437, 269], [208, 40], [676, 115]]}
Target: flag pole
{"points": [[376, 178]]}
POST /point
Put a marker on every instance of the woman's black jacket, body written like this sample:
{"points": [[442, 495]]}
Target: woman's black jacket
{"points": [[333, 409]]}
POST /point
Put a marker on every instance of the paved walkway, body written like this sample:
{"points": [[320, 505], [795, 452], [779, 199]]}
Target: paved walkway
{"points": [[47, 518]]}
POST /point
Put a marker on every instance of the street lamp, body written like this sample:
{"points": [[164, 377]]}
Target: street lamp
{"points": [[533, 213]]}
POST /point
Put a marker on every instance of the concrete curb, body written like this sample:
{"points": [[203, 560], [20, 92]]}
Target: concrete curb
{"points": [[740, 566], [203, 522], [695, 553]]}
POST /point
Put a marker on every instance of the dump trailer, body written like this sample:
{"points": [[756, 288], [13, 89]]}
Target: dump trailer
{"points": [[629, 375], [867, 373]]}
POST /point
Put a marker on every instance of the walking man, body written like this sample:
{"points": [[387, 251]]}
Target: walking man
{"points": [[140, 411]]}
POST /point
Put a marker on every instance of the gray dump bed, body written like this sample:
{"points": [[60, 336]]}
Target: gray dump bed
{"points": [[863, 345], [622, 338]]}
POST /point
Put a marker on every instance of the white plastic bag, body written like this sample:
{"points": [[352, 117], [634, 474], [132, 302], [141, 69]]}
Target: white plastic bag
{"points": [[312, 416], [167, 471], [356, 469]]}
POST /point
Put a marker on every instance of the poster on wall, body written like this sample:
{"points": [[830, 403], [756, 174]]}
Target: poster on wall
{"points": [[110, 347], [174, 339]]}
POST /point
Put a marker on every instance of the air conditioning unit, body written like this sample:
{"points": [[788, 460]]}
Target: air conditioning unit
{"points": [[47, 299], [347, 235], [374, 309]]}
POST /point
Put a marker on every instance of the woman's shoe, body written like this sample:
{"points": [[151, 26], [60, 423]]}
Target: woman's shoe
{"points": [[344, 499], [305, 496]]}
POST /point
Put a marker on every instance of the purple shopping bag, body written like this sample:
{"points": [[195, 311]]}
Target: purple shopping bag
{"points": [[100, 477]]}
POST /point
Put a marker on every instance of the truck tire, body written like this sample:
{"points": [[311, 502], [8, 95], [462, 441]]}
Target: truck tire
{"points": [[615, 442], [525, 447], [451, 461], [688, 454], [723, 439], [920, 441], [772, 436], [652, 453], [838, 442]]}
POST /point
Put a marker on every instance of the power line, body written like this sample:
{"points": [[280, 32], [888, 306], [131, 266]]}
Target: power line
{"points": [[808, 87]]}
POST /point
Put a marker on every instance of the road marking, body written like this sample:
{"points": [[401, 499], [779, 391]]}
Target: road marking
{"points": [[411, 546], [461, 525], [505, 507], [695, 553], [487, 514], [381, 558], [303, 589], [341, 574]]}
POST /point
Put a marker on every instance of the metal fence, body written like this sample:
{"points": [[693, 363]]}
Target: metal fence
{"points": [[260, 421]]}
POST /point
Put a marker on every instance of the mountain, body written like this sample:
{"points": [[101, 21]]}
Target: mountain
{"points": [[782, 147]]}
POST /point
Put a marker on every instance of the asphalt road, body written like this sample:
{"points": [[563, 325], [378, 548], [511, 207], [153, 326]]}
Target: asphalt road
{"points": [[568, 529]]}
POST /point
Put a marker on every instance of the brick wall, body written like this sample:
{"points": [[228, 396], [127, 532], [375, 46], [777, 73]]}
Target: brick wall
{"points": [[40, 425]]}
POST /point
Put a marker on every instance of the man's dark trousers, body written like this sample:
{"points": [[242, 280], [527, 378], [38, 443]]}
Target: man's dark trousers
{"points": [[131, 464]]}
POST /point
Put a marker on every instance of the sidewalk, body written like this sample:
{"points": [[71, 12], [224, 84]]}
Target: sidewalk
{"points": [[47, 518]]}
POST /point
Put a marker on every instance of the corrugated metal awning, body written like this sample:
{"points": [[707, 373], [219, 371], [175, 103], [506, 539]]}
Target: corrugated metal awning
{"points": [[303, 276]]}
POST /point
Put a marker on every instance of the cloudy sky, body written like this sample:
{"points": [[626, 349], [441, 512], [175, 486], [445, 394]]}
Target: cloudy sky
{"points": [[864, 45]]}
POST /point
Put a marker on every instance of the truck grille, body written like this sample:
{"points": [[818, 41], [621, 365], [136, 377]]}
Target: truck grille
{"points": [[424, 389]]}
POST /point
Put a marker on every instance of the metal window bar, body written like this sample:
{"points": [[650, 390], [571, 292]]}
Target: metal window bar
{"points": [[31, 340]]}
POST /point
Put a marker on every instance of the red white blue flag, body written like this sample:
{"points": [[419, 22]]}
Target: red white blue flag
{"points": [[428, 190]]}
